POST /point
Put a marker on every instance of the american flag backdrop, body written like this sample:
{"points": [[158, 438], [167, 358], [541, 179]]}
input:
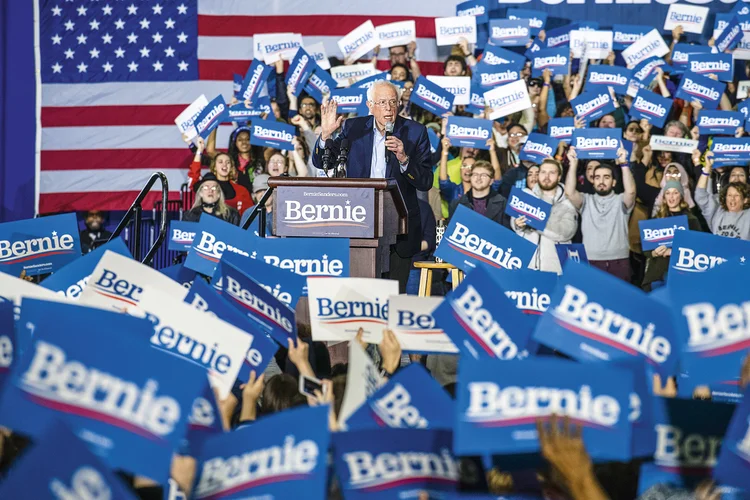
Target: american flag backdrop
{"points": [[114, 74]]}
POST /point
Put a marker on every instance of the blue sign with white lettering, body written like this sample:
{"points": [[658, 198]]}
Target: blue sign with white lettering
{"points": [[601, 76], [660, 232], [299, 71], [535, 210], [560, 37], [596, 143], [696, 251], [650, 106], [411, 399], [360, 459], [203, 297], [368, 82], [730, 36], [510, 32], [500, 403], [645, 71], [181, 235], [269, 314], [242, 112], [210, 117], [720, 65], [538, 147], [471, 314], [730, 149], [537, 18], [70, 280], [350, 100], [497, 56], [733, 467], [623, 324], [555, 60], [319, 83], [625, 35], [273, 134], [431, 96], [529, 290], [681, 54], [701, 88], [297, 471], [471, 238], [719, 122], [487, 76], [39, 246], [575, 252], [254, 81], [236, 85], [467, 132], [214, 237], [180, 274], [132, 418], [42, 472], [592, 105], [561, 129], [476, 8], [476, 100]]}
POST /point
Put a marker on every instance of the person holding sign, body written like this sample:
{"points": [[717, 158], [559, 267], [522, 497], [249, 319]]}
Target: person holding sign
{"points": [[210, 200], [481, 198], [561, 225], [604, 214], [222, 167], [731, 218], [673, 203]]}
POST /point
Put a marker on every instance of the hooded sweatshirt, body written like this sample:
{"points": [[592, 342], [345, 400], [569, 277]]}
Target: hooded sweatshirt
{"points": [[720, 221], [561, 227]]}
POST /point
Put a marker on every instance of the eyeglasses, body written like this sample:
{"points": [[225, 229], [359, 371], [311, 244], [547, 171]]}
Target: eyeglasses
{"points": [[207, 189], [634, 130], [276, 162], [464, 166], [383, 103], [517, 134], [307, 105], [673, 174], [478, 175], [535, 83]]}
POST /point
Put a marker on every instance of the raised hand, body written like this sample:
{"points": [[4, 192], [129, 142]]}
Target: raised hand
{"points": [[329, 120], [390, 350]]}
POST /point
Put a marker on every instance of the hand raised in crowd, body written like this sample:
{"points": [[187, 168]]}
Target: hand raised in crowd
{"points": [[646, 126], [183, 470], [707, 490], [326, 398], [695, 133], [329, 120], [579, 122], [622, 155], [739, 132], [390, 351], [24, 277], [677, 32], [233, 101], [200, 146], [696, 104], [648, 155], [542, 35], [490, 143], [662, 251], [300, 122], [463, 43], [520, 222], [446, 143], [298, 355], [572, 156], [696, 157], [666, 390], [547, 76], [226, 408], [610, 60], [411, 49], [251, 392]]}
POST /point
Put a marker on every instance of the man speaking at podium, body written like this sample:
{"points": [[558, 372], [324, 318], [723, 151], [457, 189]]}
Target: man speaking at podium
{"points": [[383, 145]]}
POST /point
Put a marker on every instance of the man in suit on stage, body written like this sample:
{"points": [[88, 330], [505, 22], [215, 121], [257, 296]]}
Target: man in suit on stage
{"points": [[404, 155]]}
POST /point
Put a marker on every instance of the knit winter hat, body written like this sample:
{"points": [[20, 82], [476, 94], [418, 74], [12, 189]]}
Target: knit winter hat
{"points": [[676, 185]]}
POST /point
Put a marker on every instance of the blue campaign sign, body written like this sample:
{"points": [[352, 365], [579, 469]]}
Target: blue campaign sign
{"points": [[359, 459], [269, 314], [282, 284], [510, 32], [720, 65], [529, 290], [650, 106], [351, 100], [601, 76], [236, 84], [181, 235], [299, 71], [242, 112], [592, 105], [214, 237], [709, 326], [299, 470], [476, 100], [468, 132], [132, 418], [553, 59], [538, 147], [733, 467], [537, 19], [523, 204], [574, 252], [319, 83], [42, 472], [623, 324], [487, 76], [500, 403], [204, 422], [719, 122], [180, 274], [471, 238], [273, 134], [431, 96], [625, 35], [682, 52], [560, 37], [597, 143], [497, 330], [641, 411], [561, 129], [71, 279], [645, 71], [434, 139], [203, 297], [318, 257], [210, 117], [695, 252], [660, 232], [731, 149], [39, 246], [730, 36], [497, 56], [688, 437], [411, 399], [368, 82], [254, 80], [701, 88], [476, 8]]}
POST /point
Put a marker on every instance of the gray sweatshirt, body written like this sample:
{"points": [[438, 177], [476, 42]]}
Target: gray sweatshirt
{"points": [[722, 222]]}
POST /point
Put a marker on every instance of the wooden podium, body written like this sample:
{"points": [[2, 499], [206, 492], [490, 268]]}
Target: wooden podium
{"points": [[370, 212]]}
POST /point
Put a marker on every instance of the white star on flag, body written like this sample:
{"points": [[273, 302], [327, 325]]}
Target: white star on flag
{"points": [[69, 54], [94, 25], [144, 24], [183, 66], [182, 9], [132, 9], [81, 10], [182, 37], [69, 25], [157, 37], [119, 52], [56, 10], [169, 23], [107, 67], [157, 66], [156, 8], [82, 67], [107, 38], [132, 38], [169, 51], [133, 66], [107, 10], [56, 68], [81, 39], [56, 40], [94, 53], [145, 52], [120, 24]]}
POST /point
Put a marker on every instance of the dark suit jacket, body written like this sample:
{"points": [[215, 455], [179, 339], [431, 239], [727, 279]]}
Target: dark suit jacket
{"points": [[418, 175], [495, 207]]}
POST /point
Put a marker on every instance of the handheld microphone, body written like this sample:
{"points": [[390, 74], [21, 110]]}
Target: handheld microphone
{"points": [[342, 159], [388, 129], [327, 155]]}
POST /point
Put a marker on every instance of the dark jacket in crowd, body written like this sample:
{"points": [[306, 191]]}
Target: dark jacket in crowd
{"points": [[194, 215], [657, 267], [495, 207]]}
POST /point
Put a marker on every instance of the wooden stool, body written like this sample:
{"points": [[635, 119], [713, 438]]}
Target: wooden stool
{"points": [[425, 277]]}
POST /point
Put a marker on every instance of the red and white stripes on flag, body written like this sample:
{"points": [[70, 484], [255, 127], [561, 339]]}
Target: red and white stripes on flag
{"points": [[100, 142]]}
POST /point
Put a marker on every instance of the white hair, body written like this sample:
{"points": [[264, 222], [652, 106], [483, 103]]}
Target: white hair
{"points": [[381, 83]]}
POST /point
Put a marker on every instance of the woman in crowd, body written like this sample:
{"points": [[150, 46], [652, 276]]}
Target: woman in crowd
{"points": [[222, 167], [730, 217], [248, 160], [210, 200]]}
